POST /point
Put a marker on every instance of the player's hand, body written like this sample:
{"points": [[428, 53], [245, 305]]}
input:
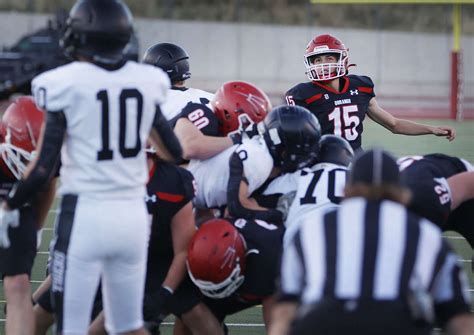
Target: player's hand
{"points": [[154, 305], [446, 131], [8, 218]]}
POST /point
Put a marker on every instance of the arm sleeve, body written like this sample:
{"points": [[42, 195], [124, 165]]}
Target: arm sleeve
{"points": [[367, 85], [236, 209], [46, 165], [167, 135], [451, 290], [292, 271], [293, 97]]}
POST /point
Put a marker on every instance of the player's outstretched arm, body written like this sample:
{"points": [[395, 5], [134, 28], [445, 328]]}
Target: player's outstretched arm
{"points": [[43, 202], [462, 188], [281, 316], [195, 144], [164, 139], [406, 127], [182, 230]]}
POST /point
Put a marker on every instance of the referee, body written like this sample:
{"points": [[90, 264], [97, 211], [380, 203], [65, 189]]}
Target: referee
{"points": [[371, 267]]}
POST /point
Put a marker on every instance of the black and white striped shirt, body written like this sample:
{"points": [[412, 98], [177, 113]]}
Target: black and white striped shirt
{"points": [[372, 251]]}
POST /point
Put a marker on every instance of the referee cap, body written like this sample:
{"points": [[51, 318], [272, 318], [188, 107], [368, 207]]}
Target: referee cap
{"points": [[375, 167]]}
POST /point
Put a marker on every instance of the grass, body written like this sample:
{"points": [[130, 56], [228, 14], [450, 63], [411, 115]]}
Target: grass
{"points": [[250, 321]]}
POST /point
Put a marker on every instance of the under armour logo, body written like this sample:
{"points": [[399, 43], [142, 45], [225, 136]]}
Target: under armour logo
{"points": [[326, 96], [354, 92]]}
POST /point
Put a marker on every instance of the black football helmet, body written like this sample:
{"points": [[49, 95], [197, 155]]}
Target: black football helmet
{"points": [[335, 149], [171, 58], [292, 136], [98, 30]]}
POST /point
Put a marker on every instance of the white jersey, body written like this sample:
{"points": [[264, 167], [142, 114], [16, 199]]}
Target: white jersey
{"points": [[178, 98], [319, 188], [212, 175], [109, 115]]}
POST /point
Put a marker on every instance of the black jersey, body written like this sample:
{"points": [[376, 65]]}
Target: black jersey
{"points": [[339, 113], [426, 177], [262, 266], [169, 189], [6, 185], [264, 244], [201, 116]]}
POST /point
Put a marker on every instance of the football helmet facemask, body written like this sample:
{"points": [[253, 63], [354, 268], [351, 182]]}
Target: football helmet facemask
{"points": [[292, 136], [326, 44], [216, 259], [238, 104], [19, 133]]}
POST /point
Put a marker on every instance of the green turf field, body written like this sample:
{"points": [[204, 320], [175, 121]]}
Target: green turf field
{"points": [[250, 321]]}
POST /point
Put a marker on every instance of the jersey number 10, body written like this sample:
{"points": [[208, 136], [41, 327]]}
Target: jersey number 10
{"points": [[106, 153]]}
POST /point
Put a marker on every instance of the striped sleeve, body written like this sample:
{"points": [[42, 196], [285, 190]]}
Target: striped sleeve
{"points": [[450, 287], [292, 271]]}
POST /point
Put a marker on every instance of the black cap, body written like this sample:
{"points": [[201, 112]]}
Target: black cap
{"points": [[374, 167]]}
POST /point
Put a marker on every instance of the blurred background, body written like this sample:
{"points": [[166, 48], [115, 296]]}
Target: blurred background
{"points": [[407, 49]]}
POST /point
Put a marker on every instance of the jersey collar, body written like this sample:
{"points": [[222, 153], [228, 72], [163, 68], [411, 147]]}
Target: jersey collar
{"points": [[179, 88], [330, 89]]}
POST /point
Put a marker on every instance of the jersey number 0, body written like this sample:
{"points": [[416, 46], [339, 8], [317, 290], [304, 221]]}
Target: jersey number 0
{"points": [[106, 153]]}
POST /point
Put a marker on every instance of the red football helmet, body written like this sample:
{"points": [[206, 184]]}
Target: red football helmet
{"points": [[326, 44], [238, 104], [19, 134], [216, 258]]}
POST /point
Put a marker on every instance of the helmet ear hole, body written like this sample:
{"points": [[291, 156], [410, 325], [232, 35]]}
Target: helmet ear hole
{"points": [[227, 115]]}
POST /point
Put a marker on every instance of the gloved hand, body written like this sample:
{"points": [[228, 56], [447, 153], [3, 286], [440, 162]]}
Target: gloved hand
{"points": [[244, 131], [284, 203], [154, 305], [8, 218]]}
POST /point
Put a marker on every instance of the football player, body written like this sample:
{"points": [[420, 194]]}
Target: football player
{"points": [[100, 111], [341, 101], [234, 262], [288, 140], [442, 191], [168, 289], [188, 109], [315, 188], [19, 133], [236, 104], [174, 60], [205, 132]]}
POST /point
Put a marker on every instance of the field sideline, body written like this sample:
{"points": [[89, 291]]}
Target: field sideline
{"points": [[250, 321]]}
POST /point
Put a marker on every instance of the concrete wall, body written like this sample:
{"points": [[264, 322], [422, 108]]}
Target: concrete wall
{"points": [[411, 70]]}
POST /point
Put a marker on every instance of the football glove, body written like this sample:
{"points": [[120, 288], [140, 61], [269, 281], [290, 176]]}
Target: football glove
{"points": [[284, 203], [8, 218], [154, 305]]}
